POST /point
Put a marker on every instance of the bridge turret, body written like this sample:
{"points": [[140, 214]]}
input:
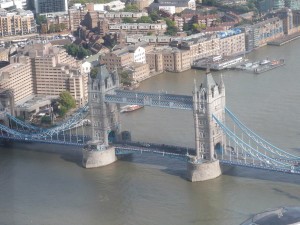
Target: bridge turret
{"points": [[104, 119], [208, 100]]}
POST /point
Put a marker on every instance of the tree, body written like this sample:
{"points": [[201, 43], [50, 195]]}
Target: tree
{"points": [[186, 27], [196, 28], [62, 110], [46, 119], [171, 29], [82, 52], [44, 28], [125, 78], [210, 3], [56, 28], [66, 100], [41, 19], [128, 20], [94, 72], [62, 26], [51, 28], [149, 33], [169, 22], [76, 51], [109, 41], [131, 8], [202, 26], [144, 19], [213, 11], [154, 15]]}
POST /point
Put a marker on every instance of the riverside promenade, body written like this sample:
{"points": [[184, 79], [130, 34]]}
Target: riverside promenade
{"points": [[285, 39]]}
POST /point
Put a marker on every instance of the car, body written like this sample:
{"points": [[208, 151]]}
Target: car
{"points": [[145, 145]]}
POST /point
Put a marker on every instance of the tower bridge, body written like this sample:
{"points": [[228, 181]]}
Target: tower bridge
{"points": [[218, 139]]}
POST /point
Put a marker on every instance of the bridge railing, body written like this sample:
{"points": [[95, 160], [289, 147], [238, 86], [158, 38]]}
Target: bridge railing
{"points": [[151, 99]]}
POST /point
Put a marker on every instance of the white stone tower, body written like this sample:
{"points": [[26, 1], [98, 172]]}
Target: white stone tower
{"points": [[208, 99], [104, 119]]}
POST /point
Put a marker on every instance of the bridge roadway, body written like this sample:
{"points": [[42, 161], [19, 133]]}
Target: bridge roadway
{"points": [[177, 152], [162, 100]]}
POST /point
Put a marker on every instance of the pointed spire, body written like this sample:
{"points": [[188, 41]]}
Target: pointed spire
{"points": [[221, 80], [207, 69], [195, 86], [117, 76], [206, 83], [221, 86]]}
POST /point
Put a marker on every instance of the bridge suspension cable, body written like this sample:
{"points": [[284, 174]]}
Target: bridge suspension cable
{"points": [[283, 155], [257, 158], [22, 123]]}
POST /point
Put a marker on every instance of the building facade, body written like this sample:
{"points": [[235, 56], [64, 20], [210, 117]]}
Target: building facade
{"points": [[17, 77], [138, 71], [45, 6], [168, 59], [202, 47], [75, 17], [139, 55], [54, 71], [232, 45], [266, 31], [4, 54], [117, 59], [18, 22], [138, 28]]}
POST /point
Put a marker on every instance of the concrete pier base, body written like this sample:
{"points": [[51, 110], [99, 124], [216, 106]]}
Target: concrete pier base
{"points": [[201, 171], [93, 159]]}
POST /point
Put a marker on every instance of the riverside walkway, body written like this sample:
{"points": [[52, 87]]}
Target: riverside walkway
{"points": [[285, 39]]}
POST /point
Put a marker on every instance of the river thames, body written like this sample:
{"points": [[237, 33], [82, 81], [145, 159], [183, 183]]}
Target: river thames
{"points": [[53, 189]]}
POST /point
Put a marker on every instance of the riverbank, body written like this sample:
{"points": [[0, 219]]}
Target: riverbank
{"points": [[285, 40]]}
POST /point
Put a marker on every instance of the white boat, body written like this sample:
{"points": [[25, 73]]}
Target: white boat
{"points": [[264, 62], [130, 108]]}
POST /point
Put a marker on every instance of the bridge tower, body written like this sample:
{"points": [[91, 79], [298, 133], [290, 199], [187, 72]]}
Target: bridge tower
{"points": [[6, 106], [104, 119], [208, 100]]}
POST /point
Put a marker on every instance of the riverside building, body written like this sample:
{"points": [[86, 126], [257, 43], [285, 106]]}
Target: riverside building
{"points": [[44, 71], [18, 22]]}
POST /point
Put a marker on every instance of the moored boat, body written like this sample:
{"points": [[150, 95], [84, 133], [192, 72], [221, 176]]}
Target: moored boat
{"points": [[130, 108]]}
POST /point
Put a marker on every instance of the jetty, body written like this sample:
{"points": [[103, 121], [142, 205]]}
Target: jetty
{"points": [[217, 62], [261, 66]]}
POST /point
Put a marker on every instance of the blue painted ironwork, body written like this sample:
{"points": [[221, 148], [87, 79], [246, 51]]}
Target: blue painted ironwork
{"points": [[161, 100], [251, 157], [141, 150], [259, 154], [260, 141], [22, 123]]}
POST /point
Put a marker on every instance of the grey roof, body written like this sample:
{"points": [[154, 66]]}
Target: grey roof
{"points": [[102, 72], [173, 1], [209, 81]]}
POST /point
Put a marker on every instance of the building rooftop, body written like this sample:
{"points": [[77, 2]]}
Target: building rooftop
{"points": [[10, 67], [31, 103], [266, 22]]}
